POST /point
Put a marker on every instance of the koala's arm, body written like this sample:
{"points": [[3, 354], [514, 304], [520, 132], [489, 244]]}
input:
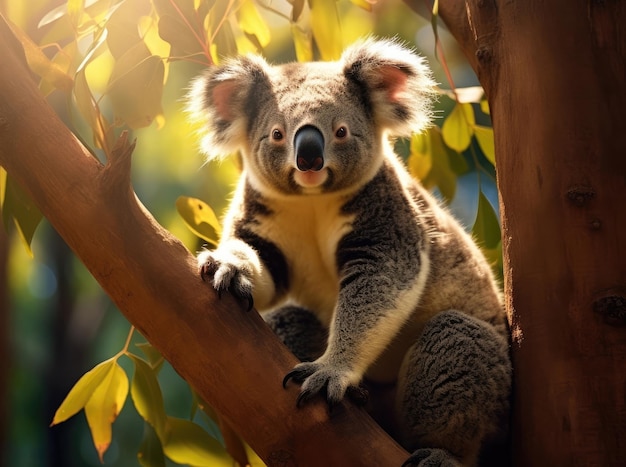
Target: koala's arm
{"points": [[383, 265], [246, 265]]}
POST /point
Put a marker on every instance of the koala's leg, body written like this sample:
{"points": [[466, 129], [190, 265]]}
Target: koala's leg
{"points": [[300, 331], [453, 392]]}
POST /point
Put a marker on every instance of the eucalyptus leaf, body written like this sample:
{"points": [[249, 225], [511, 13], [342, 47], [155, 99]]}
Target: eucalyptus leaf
{"points": [[251, 22], [81, 392], [136, 87], [18, 207], [150, 452], [486, 228], [457, 129], [187, 443], [302, 44], [146, 395], [104, 406], [200, 218], [420, 160], [484, 136], [326, 28]]}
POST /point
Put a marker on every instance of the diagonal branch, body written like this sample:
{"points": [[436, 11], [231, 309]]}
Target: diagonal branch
{"points": [[229, 356]]}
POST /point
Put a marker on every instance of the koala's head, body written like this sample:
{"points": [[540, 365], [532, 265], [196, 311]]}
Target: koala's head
{"points": [[307, 128]]}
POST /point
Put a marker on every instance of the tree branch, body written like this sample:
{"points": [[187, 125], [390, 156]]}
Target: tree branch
{"points": [[230, 357]]}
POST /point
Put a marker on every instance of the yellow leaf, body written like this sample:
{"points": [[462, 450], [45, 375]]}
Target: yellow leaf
{"points": [[365, 4], [104, 406], [441, 173], [457, 129], [302, 43], [200, 218], [82, 391], [420, 159], [187, 443], [484, 106], [74, 10], [484, 136], [19, 208], [326, 28], [251, 22]]}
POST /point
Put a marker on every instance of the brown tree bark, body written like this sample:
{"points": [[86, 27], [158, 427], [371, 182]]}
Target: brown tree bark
{"points": [[229, 356], [555, 76]]}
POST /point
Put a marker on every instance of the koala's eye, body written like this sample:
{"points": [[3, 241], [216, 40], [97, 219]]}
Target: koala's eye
{"points": [[341, 132], [277, 135]]}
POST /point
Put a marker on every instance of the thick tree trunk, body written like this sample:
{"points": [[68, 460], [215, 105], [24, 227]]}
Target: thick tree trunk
{"points": [[555, 76], [5, 354], [229, 356]]}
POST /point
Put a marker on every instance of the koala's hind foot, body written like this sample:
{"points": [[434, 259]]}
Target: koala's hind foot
{"points": [[453, 391]]}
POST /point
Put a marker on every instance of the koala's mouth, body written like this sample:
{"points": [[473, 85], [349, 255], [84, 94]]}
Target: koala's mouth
{"points": [[311, 178]]}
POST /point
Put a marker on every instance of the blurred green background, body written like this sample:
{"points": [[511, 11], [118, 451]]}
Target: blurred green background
{"points": [[57, 322]]}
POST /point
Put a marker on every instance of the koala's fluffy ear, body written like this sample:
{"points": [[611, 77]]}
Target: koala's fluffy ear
{"points": [[220, 99], [397, 83]]}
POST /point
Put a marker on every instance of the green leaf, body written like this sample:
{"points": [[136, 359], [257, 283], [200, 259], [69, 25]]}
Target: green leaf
{"points": [[326, 28], [188, 443], [150, 452], [182, 26], [146, 395], [104, 406], [83, 389], [136, 87], [420, 160], [18, 207], [86, 105], [486, 228], [200, 218], [457, 129], [224, 42], [484, 136], [251, 22], [155, 359], [123, 33]]}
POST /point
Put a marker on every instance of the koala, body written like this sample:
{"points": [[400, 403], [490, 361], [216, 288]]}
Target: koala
{"points": [[355, 266]]}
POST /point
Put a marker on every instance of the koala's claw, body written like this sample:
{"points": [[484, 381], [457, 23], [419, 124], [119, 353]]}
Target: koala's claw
{"points": [[431, 458], [317, 378], [227, 277]]}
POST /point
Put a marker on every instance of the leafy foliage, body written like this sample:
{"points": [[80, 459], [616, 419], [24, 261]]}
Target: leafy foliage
{"points": [[111, 61]]}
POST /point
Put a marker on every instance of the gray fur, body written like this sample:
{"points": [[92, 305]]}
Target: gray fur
{"points": [[359, 243]]}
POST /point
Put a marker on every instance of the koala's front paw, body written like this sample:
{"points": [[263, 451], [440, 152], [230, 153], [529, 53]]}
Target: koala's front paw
{"points": [[227, 272], [321, 378]]}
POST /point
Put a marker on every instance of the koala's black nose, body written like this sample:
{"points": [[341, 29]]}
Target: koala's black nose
{"points": [[309, 147]]}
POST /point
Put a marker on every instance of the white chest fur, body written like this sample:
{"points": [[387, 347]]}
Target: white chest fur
{"points": [[307, 230]]}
